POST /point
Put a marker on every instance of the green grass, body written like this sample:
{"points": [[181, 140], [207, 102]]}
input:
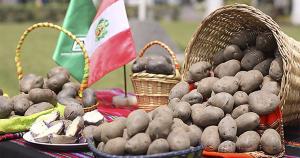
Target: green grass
{"points": [[38, 48]]}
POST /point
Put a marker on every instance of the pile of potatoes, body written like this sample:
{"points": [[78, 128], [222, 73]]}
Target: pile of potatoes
{"points": [[242, 84], [153, 65], [38, 94]]}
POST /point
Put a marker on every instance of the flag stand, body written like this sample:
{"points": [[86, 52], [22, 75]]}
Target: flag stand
{"points": [[125, 80]]}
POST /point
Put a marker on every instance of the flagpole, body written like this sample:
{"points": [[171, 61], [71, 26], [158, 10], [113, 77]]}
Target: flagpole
{"points": [[125, 81]]}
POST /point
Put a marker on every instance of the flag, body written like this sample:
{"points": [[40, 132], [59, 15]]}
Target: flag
{"points": [[109, 41], [79, 17]]}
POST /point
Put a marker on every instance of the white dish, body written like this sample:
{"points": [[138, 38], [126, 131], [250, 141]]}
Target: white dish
{"points": [[28, 138]]}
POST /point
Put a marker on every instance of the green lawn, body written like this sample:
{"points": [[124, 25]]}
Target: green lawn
{"points": [[38, 48]]}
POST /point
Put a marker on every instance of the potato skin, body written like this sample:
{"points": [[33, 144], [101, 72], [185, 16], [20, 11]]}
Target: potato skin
{"points": [[240, 98], [271, 142], [251, 81], [227, 128], [21, 103], [178, 140], [97, 131], [172, 103], [192, 97], [158, 146], [252, 57], [210, 115], [194, 133], [137, 121], [56, 82], [276, 69], [266, 42], [35, 108], [248, 141], [182, 110], [160, 127], [227, 147], [222, 100], [71, 112], [139, 64], [138, 144], [210, 138], [246, 122], [240, 110], [227, 84], [263, 102], [161, 111], [218, 58], [67, 93], [233, 52], [115, 146], [31, 81], [87, 131], [205, 86], [5, 107], [75, 86], [272, 87], [113, 129], [58, 70], [38, 95], [178, 123], [244, 38], [179, 90], [89, 97], [159, 65], [229, 68], [264, 66], [199, 70]]}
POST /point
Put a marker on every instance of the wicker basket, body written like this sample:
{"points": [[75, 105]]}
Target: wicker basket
{"points": [[152, 90], [84, 84], [215, 33]]}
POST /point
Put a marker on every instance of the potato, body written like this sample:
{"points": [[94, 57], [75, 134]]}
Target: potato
{"points": [[71, 112], [97, 131], [271, 142], [178, 140], [158, 146], [101, 146], [244, 38], [125, 135], [227, 147], [178, 123], [208, 116], [277, 53], [75, 127], [75, 86], [192, 97], [205, 86], [210, 138], [159, 65], [67, 93], [199, 106], [229, 68], [239, 74], [222, 100], [240, 110], [267, 79], [264, 66], [227, 84], [199, 70], [160, 127], [115, 146], [227, 128], [6, 107], [30, 81], [87, 131], [246, 122], [194, 133], [252, 57], [139, 65], [250, 81], [263, 102], [21, 103], [218, 58], [38, 95], [266, 42], [137, 122], [179, 90], [248, 141], [272, 87], [62, 139], [56, 82], [35, 108], [240, 98], [65, 122], [138, 144], [58, 70], [112, 130], [276, 69], [162, 111], [69, 101], [233, 52], [182, 110], [173, 102], [89, 97]]}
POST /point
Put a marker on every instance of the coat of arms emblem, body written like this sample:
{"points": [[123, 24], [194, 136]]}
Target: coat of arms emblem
{"points": [[101, 29]]}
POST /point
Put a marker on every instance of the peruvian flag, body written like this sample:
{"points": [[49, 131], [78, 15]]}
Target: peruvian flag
{"points": [[109, 42]]}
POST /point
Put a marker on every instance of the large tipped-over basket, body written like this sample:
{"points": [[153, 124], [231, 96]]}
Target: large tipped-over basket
{"points": [[215, 33], [152, 90], [84, 84]]}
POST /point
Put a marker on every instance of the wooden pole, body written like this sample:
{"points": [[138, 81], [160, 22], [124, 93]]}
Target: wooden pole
{"points": [[125, 81]]}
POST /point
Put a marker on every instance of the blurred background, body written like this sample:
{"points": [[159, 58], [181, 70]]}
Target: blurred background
{"points": [[171, 21]]}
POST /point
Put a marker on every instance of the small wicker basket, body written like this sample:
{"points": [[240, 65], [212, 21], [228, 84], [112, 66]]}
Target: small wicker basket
{"points": [[215, 33], [152, 90], [84, 84]]}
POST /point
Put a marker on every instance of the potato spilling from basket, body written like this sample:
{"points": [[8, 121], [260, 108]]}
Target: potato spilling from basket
{"points": [[153, 65], [40, 94]]}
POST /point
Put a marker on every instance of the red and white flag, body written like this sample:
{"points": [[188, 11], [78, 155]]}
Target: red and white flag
{"points": [[109, 41]]}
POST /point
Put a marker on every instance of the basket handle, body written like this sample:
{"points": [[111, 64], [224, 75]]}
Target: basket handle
{"points": [[84, 82], [167, 48]]}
